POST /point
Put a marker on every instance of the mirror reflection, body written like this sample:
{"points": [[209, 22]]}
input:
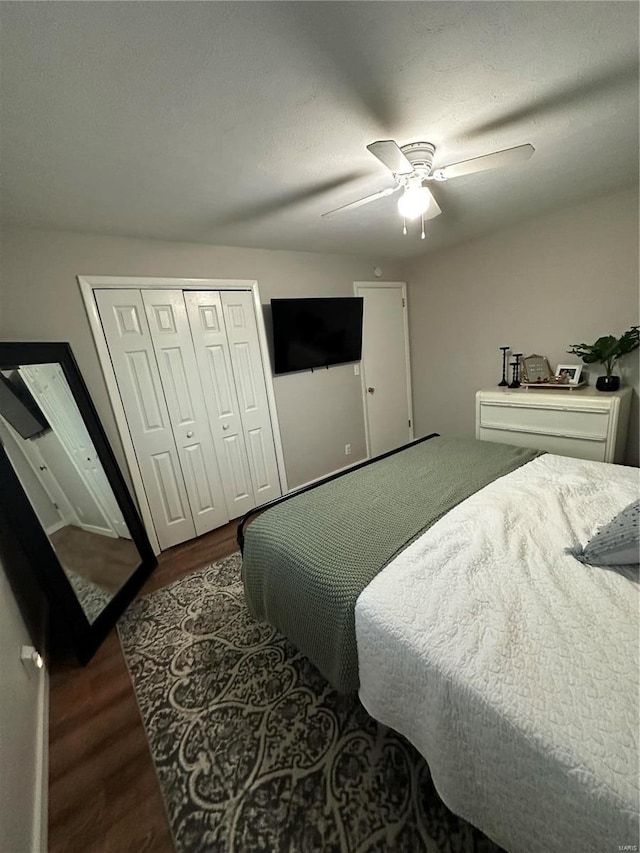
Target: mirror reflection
{"points": [[50, 449]]}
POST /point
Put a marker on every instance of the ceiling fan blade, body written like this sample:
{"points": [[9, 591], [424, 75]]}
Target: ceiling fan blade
{"points": [[482, 164], [387, 151], [434, 208], [361, 201]]}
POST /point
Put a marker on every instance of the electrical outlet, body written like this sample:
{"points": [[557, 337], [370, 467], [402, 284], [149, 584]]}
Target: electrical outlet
{"points": [[356, 369], [347, 450]]}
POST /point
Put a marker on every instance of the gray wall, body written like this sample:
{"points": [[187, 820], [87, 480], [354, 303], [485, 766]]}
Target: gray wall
{"points": [[319, 412], [564, 278], [540, 286]]}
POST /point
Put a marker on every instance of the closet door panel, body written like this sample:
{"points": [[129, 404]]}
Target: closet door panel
{"points": [[259, 458], [204, 309], [248, 371], [169, 327], [236, 459], [123, 318]]}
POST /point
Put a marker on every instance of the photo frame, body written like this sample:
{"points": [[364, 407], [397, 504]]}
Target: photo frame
{"points": [[536, 368], [568, 374]]}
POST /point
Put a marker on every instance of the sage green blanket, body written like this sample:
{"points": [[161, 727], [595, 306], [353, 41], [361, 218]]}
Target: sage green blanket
{"points": [[307, 560]]}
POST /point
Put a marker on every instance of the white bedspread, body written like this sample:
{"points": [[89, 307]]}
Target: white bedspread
{"points": [[511, 666]]}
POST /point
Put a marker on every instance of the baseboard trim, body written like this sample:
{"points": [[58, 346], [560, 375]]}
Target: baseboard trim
{"points": [[41, 793]]}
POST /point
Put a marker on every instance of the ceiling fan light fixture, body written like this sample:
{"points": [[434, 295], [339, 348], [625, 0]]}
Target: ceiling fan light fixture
{"points": [[413, 202]]}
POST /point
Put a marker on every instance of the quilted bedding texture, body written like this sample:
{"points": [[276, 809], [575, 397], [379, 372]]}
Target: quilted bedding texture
{"points": [[511, 666], [306, 560]]}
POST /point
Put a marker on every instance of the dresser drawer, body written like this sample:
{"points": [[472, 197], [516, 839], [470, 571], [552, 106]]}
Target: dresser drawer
{"points": [[581, 448], [568, 423]]}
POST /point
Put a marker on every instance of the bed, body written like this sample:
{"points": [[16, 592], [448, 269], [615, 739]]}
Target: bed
{"points": [[307, 558], [510, 665]]}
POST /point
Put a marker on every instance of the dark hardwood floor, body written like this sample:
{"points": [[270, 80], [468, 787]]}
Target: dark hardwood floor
{"points": [[103, 792]]}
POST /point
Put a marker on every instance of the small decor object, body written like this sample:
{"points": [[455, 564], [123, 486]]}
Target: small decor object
{"points": [[535, 368], [504, 383], [568, 374], [515, 382], [607, 350]]}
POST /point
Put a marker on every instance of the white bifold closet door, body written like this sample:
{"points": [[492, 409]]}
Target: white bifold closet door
{"points": [[191, 401], [169, 327], [124, 321], [225, 337]]}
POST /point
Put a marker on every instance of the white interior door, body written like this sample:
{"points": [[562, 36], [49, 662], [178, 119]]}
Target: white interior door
{"points": [[204, 309], [52, 392], [248, 371], [386, 378], [169, 326], [49, 502], [64, 447], [131, 350]]}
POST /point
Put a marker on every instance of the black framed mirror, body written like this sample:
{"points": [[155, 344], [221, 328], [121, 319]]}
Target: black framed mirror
{"points": [[64, 495]]}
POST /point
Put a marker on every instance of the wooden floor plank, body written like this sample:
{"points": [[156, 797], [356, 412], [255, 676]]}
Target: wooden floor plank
{"points": [[104, 796]]}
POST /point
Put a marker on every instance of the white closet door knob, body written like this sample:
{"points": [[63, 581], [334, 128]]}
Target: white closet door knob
{"points": [[225, 426], [190, 434]]}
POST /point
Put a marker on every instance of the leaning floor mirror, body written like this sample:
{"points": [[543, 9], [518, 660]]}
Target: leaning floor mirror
{"points": [[64, 495]]}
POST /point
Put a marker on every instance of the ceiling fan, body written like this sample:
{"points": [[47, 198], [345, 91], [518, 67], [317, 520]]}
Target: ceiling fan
{"points": [[411, 166]]}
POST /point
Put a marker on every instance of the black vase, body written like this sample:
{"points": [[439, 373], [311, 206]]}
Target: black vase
{"points": [[608, 383]]}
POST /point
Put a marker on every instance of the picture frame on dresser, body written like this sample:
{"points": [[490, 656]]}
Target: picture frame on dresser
{"points": [[569, 373]]}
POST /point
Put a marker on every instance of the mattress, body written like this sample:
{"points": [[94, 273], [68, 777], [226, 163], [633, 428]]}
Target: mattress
{"points": [[511, 666]]}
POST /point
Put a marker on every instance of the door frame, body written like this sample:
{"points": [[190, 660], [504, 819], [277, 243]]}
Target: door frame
{"points": [[88, 284], [402, 286]]}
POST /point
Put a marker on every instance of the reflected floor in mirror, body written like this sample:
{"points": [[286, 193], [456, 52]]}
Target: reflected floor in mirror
{"points": [[96, 566], [103, 560]]}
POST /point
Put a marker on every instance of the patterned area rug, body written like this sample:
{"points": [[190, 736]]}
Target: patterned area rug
{"points": [[253, 748]]}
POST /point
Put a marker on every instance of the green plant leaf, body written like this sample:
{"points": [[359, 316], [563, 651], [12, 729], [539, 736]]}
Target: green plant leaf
{"points": [[608, 349]]}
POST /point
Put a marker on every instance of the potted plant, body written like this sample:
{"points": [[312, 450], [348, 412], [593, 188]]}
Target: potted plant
{"points": [[607, 350]]}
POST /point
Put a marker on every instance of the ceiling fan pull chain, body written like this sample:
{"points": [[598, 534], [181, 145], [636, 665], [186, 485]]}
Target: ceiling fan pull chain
{"points": [[422, 235], [404, 225]]}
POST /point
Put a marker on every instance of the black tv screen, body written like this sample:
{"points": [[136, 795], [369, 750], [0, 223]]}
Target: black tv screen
{"points": [[310, 333], [18, 407]]}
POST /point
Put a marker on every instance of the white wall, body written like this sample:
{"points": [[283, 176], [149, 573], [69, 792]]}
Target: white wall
{"points": [[23, 735], [568, 277], [319, 412]]}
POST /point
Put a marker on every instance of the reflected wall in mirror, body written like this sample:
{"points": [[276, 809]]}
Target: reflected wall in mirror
{"points": [[76, 499]]}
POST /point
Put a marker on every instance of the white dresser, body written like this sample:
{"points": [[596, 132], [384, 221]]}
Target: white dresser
{"points": [[585, 423]]}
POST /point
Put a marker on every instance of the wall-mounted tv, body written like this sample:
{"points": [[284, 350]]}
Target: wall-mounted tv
{"points": [[18, 407], [309, 333]]}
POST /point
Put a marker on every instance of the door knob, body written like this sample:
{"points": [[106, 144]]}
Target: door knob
{"points": [[225, 426], [189, 434], [371, 390]]}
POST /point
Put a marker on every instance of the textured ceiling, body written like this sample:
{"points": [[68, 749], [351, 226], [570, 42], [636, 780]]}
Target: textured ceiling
{"points": [[240, 123]]}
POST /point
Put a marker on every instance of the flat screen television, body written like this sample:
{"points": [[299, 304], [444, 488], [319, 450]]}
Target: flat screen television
{"points": [[318, 332], [18, 407]]}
